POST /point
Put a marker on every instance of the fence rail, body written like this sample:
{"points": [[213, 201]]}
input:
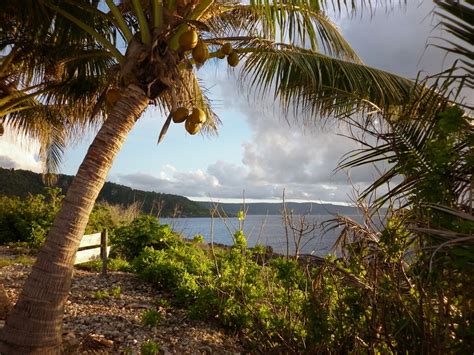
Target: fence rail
{"points": [[93, 247]]}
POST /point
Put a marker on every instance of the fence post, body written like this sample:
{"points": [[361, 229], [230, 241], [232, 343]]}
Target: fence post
{"points": [[103, 251]]}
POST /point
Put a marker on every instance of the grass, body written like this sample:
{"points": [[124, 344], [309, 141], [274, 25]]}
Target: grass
{"points": [[112, 265], [18, 260], [115, 292]]}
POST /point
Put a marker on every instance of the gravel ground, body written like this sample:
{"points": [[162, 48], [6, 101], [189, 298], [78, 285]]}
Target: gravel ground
{"points": [[113, 325]]}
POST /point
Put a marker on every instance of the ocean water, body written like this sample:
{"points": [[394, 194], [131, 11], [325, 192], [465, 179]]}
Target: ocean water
{"points": [[267, 230]]}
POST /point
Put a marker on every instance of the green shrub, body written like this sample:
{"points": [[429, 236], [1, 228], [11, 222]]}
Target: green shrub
{"points": [[149, 348], [28, 220], [151, 318], [115, 292], [234, 289], [100, 294], [177, 269], [144, 231], [199, 239]]}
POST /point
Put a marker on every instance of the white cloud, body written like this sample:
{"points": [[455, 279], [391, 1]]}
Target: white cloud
{"points": [[19, 153]]}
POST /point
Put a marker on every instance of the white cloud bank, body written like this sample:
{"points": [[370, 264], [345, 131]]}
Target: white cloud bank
{"points": [[18, 153]]}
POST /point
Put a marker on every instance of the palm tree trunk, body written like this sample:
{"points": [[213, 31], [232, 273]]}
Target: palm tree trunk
{"points": [[5, 303], [35, 324]]}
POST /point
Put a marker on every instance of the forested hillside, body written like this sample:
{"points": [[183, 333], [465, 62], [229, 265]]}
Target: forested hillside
{"points": [[22, 182]]}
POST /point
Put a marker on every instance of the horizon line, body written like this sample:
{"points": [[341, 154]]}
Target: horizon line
{"points": [[264, 200]]}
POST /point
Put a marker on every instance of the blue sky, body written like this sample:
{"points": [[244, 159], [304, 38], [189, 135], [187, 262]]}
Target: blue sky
{"points": [[256, 151]]}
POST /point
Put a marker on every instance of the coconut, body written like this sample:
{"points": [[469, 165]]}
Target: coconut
{"points": [[220, 54], [197, 116], [188, 40], [200, 52], [233, 59], [192, 128], [180, 114], [227, 48]]}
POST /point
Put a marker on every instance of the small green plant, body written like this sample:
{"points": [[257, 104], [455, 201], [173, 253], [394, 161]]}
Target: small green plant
{"points": [[151, 318], [116, 292], [100, 294], [163, 302], [198, 239], [149, 348]]}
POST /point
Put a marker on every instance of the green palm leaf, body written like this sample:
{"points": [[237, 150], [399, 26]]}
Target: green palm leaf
{"points": [[51, 76], [317, 84], [457, 19], [286, 23]]}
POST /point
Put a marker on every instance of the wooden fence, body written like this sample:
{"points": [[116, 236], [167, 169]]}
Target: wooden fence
{"points": [[94, 247]]}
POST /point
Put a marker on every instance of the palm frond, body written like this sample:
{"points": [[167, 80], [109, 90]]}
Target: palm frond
{"points": [[341, 6], [457, 19], [315, 84], [407, 148], [53, 76], [358, 6], [52, 149], [285, 23]]}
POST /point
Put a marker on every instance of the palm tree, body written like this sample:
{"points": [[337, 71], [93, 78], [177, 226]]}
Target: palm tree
{"points": [[428, 146], [289, 49], [432, 114], [37, 81]]}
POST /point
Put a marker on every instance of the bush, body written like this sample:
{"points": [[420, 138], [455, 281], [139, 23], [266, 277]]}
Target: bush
{"points": [[144, 231], [151, 318], [233, 288], [177, 269], [28, 220], [149, 348]]}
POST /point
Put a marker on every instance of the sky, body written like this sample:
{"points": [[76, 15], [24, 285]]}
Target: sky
{"points": [[257, 153]]}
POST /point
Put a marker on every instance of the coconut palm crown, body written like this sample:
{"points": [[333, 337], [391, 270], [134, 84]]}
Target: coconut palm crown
{"points": [[290, 50]]}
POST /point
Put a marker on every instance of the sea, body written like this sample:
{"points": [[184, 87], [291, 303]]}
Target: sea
{"points": [[305, 233]]}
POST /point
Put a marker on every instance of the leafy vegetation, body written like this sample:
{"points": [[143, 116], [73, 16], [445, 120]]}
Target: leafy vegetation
{"points": [[149, 348], [30, 219], [115, 292], [151, 318], [372, 298], [379, 295]]}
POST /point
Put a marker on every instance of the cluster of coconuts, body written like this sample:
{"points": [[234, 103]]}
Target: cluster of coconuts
{"points": [[192, 121], [189, 41]]}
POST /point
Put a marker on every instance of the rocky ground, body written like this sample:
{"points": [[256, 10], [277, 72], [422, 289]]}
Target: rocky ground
{"points": [[104, 315]]}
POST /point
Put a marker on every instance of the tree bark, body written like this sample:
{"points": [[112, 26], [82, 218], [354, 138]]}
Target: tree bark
{"points": [[5, 303], [34, 326]]}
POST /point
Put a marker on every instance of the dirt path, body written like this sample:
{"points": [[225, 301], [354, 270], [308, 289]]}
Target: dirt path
{"points": [[112, 324]]}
